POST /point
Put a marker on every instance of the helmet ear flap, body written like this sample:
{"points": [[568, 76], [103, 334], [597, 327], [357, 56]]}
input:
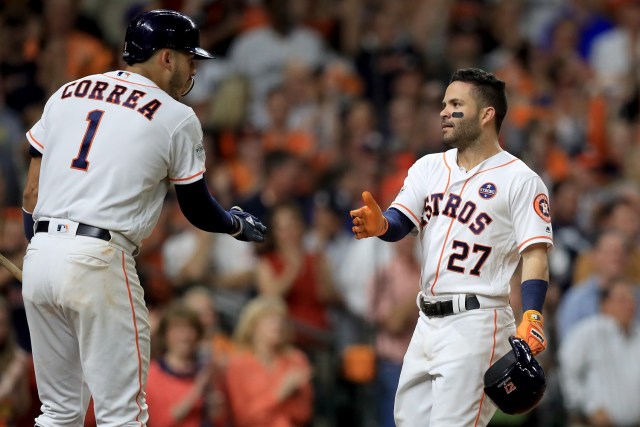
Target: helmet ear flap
{"points": [[520, 348]]}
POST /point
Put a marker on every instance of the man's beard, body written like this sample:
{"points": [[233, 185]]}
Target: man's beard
{"points": [[178, 86], [465, 133]]}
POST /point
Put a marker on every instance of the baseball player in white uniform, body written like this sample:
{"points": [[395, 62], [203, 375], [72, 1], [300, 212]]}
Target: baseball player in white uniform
{"points": [[479, 212], [104, 153]]}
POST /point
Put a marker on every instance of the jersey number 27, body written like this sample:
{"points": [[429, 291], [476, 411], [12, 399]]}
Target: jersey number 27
{"points": [[462, 253]]}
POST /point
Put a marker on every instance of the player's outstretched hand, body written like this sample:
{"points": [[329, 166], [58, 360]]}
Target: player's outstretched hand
{"points": [[530, 330], [249, 228], [368, 220]]}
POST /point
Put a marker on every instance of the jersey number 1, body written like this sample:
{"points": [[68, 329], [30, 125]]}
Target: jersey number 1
{"points": [[81, 162]]}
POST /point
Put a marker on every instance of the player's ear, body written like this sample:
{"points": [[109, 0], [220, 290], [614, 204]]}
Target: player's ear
{"points": [[487, 114], [166, 59]]}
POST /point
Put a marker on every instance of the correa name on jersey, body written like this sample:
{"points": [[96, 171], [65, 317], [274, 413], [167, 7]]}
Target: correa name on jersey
{"points": [[114, 94], [454, 208]]}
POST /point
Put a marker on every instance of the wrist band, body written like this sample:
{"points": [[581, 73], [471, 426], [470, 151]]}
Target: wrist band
{"points": [[533, 293]]}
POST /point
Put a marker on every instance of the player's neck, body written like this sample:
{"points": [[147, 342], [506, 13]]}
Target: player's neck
{"points": [[471, 156], [147, 72]]}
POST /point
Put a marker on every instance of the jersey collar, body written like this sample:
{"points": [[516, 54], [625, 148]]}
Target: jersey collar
{"points": [[129, 77], [460, 173]]}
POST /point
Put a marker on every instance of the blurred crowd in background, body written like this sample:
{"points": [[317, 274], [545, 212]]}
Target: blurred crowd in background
{"points": [[309, 103]]}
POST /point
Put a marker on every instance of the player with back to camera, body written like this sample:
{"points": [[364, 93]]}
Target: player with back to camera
{"points": [[479, 212], [104, 154]]}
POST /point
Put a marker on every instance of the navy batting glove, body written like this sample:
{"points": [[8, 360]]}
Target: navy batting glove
{"points": [[248, 227]]}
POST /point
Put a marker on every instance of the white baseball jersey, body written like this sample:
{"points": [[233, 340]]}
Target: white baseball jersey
{"points": [[474, 224], [114, 142]]}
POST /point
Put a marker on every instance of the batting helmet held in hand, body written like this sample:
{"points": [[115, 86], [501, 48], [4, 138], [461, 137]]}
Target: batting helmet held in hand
{"points": [[516, 382], [159, 29]]}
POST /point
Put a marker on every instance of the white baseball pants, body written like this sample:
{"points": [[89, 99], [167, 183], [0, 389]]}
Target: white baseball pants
{"points": [[441, 383], [89, 330]]}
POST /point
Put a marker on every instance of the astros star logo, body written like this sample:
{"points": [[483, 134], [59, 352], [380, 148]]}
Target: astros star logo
{"points": [[545, 207]]}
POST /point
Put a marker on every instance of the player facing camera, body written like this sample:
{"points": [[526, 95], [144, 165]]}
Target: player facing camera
{"points": [[483, 219]]}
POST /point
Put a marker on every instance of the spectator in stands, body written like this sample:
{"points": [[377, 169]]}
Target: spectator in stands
{"points": [[568, 238], [281, 170], [11, 152], [12, 243], [599, 365], [303, 279], [179, 385], [13, 246], [610, 258], [392, 309], [221, 263], [268, 381], [261, 54], [330, 235], [614, 52], [279, 134], [384, 53], [15, 398], [69, 52], [621, 214], [590, 17], [185, 253], [216, 343]]}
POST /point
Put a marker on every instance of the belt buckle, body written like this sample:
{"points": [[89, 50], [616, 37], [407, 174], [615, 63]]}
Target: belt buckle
{"points": [[431, 309]]}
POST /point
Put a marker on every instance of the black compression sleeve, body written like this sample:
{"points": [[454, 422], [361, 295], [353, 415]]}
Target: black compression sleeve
{"points": [[202, 210], [33, 152], [399, 225]]}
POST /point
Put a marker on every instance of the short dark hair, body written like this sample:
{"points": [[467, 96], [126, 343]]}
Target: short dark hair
{"points": [[178, 311], [488, 90]]}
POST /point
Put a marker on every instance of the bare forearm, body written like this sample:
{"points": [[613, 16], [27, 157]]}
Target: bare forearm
{"points": [[30, 194], [535, 265]]}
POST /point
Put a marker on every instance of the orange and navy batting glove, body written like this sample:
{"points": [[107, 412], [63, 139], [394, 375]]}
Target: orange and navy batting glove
{"points": [[368, 220], [530, 330]]}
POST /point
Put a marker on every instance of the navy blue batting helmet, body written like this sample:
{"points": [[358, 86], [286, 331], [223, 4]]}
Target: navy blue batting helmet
{"points": [[516, 382], [159, 29]]}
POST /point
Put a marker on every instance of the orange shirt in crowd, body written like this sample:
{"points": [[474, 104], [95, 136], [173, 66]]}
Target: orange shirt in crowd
{"points": [[86, 55], [164, 391], [252, 387], [297, 142]]}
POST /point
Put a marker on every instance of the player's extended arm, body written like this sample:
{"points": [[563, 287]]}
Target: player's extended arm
{"points": [[535, 280], [203, 211], [369, 221], [30, 194]]}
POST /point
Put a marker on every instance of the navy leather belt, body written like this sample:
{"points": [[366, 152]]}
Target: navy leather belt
{"points": [[83, 230], [445, 308]]}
